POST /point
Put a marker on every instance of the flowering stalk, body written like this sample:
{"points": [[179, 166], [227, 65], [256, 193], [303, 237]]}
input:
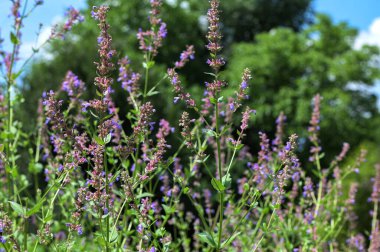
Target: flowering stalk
{"points": [[151, 40], [103, 82], [315, 150]]}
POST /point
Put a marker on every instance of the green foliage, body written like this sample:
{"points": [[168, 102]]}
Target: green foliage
{"points": [[289, 68]]}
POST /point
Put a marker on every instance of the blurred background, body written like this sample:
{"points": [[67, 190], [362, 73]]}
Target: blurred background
{"points": [[295, 48]]}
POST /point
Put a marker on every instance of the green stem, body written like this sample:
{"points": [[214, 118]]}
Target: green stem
{"points": [[319, 197], [221, 197], [107, 202]]}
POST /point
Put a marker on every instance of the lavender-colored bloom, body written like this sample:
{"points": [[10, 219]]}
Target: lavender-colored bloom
{"points": [[375, 196], [214, 36], [314, 121], [308, 188], [73, 17], [140, 228], [72, 85], [280, 121], [186, 55], [178, 89], [246, 115], [151, 40], [3, 239]]}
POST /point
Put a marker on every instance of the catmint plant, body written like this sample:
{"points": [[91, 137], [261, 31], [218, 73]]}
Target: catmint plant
{"points": [[98, 181]]}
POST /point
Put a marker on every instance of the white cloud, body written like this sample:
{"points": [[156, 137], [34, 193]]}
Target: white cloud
{"points": [[26, 49], [370, 36]]}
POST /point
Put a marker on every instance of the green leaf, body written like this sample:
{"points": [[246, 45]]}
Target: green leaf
{"points": [[210, 132], [113, 234], [207, 238], [229, 240], [212, 100], [217, 185], [36, 208], [14, 39], [148, 64], [226, 180], [107, 139], [1, 147], [186, 190], [168, 210], [98, 140], [17, 208], [220, 99], [143, 195]]}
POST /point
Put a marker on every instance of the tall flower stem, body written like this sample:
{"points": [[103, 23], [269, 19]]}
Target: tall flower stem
{"points": [[221, 196], [319, 197], [107, 201]]}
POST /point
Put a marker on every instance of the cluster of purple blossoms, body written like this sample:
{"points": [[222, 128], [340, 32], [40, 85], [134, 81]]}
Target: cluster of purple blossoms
{"points": [[357, 242], [308, 188], [315, 118], [156, 159], [289, 161], [277, 142], [151, 40], [103, 81], [185, 56], [178, 89], [146, 112], [241, 94], [73, 17], [214, 36], [129, 80], [5, 227], [215, 86], [314, 128], [352, 194], [375, 196], [72, 85], [375, 238], [54, 116], [164, 129], [184, 123], [3, 106], [246, 115]]}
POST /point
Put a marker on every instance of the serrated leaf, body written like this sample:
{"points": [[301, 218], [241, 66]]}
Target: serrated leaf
{"points": [[207, 238], [17, 208], [217, 185]]}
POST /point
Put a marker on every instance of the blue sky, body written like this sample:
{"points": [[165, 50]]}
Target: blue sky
{"points": [[363, 14], [357, 13], [360, 14]]}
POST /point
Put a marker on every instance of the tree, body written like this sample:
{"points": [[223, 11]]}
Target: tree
{"points": [[289, 68], [77, 52]]}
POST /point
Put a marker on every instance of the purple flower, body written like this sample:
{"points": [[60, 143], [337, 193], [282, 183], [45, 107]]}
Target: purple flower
{"points": [[140, 228]]}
